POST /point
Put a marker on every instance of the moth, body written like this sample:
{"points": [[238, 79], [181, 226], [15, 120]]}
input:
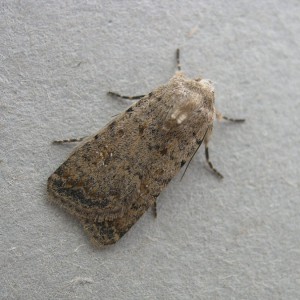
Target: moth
{"points": [[114, 176]]}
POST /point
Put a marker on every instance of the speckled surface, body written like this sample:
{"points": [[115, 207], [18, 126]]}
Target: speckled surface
{"points": [[238, 238]]}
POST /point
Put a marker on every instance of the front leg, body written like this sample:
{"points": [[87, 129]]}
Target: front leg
{"points": [[126, 97], [220, 117]]}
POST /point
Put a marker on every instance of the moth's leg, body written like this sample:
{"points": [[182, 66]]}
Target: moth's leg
{"points": [[141, 96], [69, 141], [178, 59], [220, 117], [126, 97], [209, 162], [154, 209]]}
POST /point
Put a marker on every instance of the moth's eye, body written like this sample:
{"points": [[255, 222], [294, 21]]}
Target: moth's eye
{"points": [[207, 85]]}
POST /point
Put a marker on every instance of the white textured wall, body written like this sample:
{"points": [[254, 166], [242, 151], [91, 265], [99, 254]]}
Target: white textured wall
{"points": [[233, 239]]}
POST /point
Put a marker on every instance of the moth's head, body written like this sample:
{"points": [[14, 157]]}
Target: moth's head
{"points": [[203, 92], [206, 85], [192, 101]]}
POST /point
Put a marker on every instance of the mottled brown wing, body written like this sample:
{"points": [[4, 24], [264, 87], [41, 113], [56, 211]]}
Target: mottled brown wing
{"points": [[104, 175], [115, 176], [108, 232]]}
